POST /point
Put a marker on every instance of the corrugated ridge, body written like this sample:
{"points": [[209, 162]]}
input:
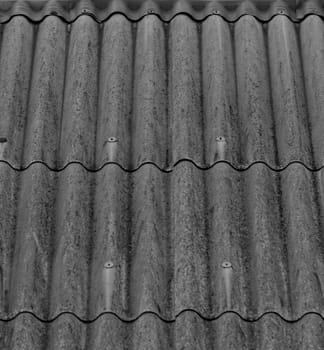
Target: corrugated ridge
{"points": [[231, 11]]}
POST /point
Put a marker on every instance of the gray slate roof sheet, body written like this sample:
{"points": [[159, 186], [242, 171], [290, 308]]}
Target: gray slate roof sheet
{"points": [[219, 154], [166, 91]]}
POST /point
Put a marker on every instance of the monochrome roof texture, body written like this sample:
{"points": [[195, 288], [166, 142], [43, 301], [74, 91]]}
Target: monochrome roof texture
{"points": [[161, 181]]}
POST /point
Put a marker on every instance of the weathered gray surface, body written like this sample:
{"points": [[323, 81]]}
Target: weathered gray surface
{"points": [[288, 94], [219, 90], [43, 127], [80, 94], [313, 59], [15, 72]]}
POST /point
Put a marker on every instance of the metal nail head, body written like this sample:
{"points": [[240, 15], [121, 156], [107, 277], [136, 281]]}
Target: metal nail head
{"points": [[226, 265], [112, 139], [108, 265]]}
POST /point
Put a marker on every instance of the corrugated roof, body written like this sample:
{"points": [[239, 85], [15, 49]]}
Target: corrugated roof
{"points": [[161, 182]]}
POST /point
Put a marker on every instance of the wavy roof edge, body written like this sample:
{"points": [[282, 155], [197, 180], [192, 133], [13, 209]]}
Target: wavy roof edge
{"points": [[170, 169], [231, 10], [205, 318]]}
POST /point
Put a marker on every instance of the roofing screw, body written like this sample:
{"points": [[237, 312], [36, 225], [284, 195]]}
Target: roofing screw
{"points": [[85, 11], [108, 278], [227, 275], [150, 11], [216, 12], [54, 13], [220, 147], [281, 12], [112, 147]]}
